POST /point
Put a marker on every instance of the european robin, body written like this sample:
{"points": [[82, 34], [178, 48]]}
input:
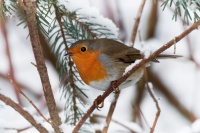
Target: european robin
{"points": [[101, 61]]}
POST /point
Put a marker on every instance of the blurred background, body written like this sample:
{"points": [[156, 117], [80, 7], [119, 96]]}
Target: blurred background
{"points": [[175, 82]]}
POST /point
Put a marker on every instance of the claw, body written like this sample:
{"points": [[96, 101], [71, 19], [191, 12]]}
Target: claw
{"points": [[97, 104], [115, 89]]}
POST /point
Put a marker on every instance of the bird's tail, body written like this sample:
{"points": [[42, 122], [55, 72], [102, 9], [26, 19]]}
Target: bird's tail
{"points": [[165, 56]]}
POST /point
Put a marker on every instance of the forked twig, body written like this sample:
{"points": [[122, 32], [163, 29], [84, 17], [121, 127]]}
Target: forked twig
{"points": [[117, 122], [154, 99], [170, 97], [136, 67], [31, 102], [24, 113]]}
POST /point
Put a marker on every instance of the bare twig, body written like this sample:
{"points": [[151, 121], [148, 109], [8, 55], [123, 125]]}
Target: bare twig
{"points": [[142, 115], [21, 92], [34, 36], [138, 100], [140, 92], [136, 67], [116, 17], [152, 21], [11, 70], [137, 21], [22, 86], [110, 113], [23, 112], [22, 4], [34, 64], [117, 122], [18, 130], [170, 97], [175, 45], [154, 99]]}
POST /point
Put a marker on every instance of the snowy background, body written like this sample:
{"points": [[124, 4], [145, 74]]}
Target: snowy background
{"points": [[180, 76]]}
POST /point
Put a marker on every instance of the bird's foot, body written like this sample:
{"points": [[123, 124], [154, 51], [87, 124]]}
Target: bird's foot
{"points": [[115, 89], [97, 102]]}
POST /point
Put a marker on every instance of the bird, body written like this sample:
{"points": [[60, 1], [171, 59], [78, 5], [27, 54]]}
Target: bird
{"points": [[101, 61]]}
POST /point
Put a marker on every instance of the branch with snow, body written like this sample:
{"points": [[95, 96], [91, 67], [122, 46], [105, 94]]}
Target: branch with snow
{"points": [[136, 67]]}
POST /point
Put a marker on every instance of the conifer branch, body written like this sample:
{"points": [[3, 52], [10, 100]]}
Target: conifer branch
{"points": [[84, 26], [70, 64]]}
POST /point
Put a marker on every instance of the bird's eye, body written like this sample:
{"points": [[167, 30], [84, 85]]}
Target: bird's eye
{"points": [[83, 49]]}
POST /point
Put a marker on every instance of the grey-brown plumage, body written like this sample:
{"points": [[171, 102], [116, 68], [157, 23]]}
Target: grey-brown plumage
{"points": [[115, 56]]}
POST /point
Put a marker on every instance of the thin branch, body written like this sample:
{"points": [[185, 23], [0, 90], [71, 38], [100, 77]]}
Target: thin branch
{"points": [[11, 70], [18, 130], [110, 113], [34, 36], [137, 21], [58, 17], [116, 17], [21, 4], [138, 99], [142, 116], [136, 67], [22, 86], [152, 21], [170, 96], [21, 92], [70, 63], [154, 99], [117, 122], [23, 112]]}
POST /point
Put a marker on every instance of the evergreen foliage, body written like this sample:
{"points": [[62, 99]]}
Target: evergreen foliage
{"points": [[62, 28], [189, 8]]}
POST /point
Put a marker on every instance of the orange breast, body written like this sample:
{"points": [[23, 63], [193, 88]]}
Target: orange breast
{"points": [[89, 67]]}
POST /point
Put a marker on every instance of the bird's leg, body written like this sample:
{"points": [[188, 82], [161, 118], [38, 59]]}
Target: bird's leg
{"points": [[115, 89], [97, 103]]}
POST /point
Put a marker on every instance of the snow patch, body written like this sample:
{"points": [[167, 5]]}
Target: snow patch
{"points": [[91, 12], [131, 66]]}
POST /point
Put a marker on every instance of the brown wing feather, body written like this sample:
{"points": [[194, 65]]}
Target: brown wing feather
{"points": [[119, 51]]}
